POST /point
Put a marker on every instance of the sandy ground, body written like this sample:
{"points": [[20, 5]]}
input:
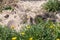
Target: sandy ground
{"points": [[23, 10]]}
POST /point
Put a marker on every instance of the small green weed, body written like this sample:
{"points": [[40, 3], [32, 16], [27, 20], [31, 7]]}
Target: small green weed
{"points": [[52, 5]]}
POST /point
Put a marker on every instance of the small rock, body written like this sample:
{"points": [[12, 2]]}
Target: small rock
{"points": [[0, 20], [15, 16], [6, 16]]}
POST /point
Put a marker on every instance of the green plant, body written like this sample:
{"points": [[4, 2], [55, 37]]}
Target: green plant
{"points": [[8, 8], [42, 31], [38, 19], [7, 33], [45, 30], [52, 5]]}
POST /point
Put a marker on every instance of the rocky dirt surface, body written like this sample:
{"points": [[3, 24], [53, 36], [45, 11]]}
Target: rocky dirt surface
{"points": [[20, 16], [23, 10]]}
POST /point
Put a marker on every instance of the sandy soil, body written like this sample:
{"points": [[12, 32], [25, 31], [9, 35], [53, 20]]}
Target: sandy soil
{"points": [[23, 10]]}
